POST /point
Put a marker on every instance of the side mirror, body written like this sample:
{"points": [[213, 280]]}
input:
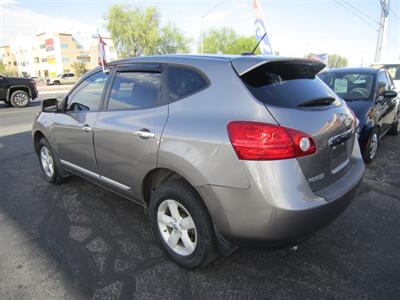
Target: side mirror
{"points": [[390, 94], [50, 105]]}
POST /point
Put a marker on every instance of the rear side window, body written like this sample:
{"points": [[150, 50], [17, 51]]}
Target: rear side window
{"points": [[135, 90], [288, 85], [183, 82]]}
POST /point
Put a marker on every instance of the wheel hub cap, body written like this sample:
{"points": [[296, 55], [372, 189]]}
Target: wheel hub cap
{"points": [[373, 146], [177, 227], [20, 99], [47, 161]]}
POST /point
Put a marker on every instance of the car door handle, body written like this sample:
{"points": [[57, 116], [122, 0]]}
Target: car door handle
{"points": [[86, 128], [144, 134]]}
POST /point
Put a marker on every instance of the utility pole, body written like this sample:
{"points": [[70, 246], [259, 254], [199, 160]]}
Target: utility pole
{"points": [[382, 26]]}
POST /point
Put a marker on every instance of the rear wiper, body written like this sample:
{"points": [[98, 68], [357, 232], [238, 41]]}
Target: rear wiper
{"points": [[318, 102]]}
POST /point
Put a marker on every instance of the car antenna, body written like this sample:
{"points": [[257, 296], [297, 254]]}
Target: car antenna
{"points": [[255, 48]]}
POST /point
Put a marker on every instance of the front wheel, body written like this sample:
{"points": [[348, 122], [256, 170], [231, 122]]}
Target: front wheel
{"points": [[182, 224], [48, 163], [371, 148], [395, 129], [19, 99]]}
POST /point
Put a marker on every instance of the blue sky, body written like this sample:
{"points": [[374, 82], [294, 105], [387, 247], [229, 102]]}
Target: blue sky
{"points": [[295, 27]]}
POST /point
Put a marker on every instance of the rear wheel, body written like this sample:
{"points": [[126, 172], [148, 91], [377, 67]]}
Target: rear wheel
{"points": [[56, 82], [182, 225], [19, 99], [395, 130], [48, 163], [371, 148]]}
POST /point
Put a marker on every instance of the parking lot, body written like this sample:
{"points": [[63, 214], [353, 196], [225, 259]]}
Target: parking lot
{"points": [[79, 241]]}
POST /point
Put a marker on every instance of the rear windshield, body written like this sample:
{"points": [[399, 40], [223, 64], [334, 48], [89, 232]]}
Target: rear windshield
{"points": [[286, 85], [351, 86]]}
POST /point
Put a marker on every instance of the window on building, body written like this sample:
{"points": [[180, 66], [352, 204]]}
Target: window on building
{"points": [[36, 59], [42, 46], [135, 90], [64, 46], [44, 60], [51, 48], [15, 63], [66, 59], [46, 73], [84, 59]]}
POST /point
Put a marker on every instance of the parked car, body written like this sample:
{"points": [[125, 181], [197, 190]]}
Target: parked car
{"points": [[223, 151], [371, 94], [65, 78], [17, 91], [394, 71], [39, 80]]}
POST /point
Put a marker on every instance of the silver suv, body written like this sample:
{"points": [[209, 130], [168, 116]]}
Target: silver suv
{"points": [[224, 151]]}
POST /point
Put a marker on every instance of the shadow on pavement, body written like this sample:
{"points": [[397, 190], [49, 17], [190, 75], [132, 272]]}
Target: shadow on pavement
{"points": [[77, 240]]}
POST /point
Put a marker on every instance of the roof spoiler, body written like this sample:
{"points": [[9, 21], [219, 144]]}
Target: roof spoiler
{"points": [[246, 64]]}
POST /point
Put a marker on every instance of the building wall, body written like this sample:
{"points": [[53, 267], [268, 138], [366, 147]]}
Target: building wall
{"points": [[8, 58], [50, 54]]}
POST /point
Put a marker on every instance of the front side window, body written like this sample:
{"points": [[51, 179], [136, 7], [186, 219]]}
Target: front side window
{"points": [[87, 96], [383, 84], [135, 90], [183, 82]]}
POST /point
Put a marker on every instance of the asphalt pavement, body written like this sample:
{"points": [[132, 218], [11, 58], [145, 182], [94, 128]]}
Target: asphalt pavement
{"points": [[79, 241]]}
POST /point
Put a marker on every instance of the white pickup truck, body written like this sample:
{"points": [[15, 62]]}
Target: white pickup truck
{"points": [[65, 78]]}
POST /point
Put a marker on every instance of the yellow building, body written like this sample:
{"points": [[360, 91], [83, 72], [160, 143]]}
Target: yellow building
{"points": [[50, 54], [8, 59]]}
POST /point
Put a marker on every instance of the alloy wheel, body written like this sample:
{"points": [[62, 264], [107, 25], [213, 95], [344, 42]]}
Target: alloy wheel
{"points": [[47, 162], [21, 99], [177, 227], [373, 147]]}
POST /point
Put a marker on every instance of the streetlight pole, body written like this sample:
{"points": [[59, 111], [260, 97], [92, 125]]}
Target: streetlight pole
{"points": [[202, 23], [381, 31]]}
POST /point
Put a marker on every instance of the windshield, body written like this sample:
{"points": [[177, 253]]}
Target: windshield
{"points": [[350, 86], [393, 69]]}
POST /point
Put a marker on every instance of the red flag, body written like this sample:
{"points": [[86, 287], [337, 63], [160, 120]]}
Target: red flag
{"points": [[102, 52]]}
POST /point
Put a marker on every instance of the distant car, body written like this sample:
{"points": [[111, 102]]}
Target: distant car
{"points": [[38, 80], [222, 150], [371, 94], [65, 78], [17, 91], [394, 71]]}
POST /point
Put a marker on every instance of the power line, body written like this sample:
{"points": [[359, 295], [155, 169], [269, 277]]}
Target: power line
{"points": [[394, 14], [355, 14], [361, 12]]}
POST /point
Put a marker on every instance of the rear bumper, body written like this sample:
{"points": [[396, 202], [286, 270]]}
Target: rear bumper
{"points": [[279, 209]]}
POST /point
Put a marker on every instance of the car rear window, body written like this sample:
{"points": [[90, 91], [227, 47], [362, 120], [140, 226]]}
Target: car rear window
{"points": [[286, 84]]}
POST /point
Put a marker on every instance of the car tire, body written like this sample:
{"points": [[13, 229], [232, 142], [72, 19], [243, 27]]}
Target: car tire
{"points": [[395, 129], [371, 148], [49, 163], [171, 204], [20, 99], [56, 82]]}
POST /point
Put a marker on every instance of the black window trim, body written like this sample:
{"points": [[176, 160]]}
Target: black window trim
{"points": [[137, 67], [189, 67], [110, 71]]}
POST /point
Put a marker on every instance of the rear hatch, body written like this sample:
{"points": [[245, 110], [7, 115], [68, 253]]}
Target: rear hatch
{"points": [[297, 99]]}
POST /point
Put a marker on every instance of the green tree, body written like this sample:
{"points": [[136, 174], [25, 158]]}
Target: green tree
{"points": [[79, 68], [136, 31], [227, 41], [337, 61], [172, 40]]}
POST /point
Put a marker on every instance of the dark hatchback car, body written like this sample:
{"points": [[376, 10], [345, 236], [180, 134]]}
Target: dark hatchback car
{"points": [[371, 94]]}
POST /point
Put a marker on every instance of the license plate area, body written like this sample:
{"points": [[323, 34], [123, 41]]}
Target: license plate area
{"points": [[338, 157]]}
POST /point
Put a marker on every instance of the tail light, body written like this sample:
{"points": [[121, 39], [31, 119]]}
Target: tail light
{"points": [[262, 141]]}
